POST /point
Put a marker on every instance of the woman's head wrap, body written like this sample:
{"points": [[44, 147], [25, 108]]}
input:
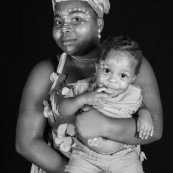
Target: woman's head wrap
{"points": [[100, 6]]}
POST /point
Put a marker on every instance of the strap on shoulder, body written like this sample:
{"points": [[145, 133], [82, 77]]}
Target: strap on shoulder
{"points": [[55, 61], [58, 61]]}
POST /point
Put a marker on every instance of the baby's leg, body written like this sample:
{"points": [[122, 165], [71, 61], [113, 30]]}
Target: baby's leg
{"points": [[80, 162], [126, 161]]}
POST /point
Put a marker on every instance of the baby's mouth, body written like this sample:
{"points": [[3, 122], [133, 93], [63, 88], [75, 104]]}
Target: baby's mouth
{"points": [[108, 90]]}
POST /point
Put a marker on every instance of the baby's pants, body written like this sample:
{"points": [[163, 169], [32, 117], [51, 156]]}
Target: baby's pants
{"points": [[86, 161]]}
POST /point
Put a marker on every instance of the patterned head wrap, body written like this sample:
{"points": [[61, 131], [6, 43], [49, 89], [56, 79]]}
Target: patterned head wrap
{"points": [[100, 6]]}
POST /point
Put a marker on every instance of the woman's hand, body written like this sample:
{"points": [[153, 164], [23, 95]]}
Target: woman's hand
{"points": [[91, 124]]}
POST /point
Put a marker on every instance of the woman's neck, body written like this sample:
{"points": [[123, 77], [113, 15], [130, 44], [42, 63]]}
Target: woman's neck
{"points": [[87, 58]]}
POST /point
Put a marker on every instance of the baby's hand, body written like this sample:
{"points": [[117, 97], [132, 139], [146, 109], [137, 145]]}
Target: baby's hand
{"points": [[145, 126], [94, 98]]}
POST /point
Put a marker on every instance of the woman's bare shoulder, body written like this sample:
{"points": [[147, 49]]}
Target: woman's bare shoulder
{"points": [[44, 66], [38, 83]]}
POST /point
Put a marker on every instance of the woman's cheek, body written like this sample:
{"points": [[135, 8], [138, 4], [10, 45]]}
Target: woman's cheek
{"points": [[82, 30], [85, 30], [56, 34]]}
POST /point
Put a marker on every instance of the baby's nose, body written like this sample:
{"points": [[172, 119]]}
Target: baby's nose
{"points": [[113, 79]]}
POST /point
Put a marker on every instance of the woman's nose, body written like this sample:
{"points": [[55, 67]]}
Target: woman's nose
{"points": [[66, 29]]}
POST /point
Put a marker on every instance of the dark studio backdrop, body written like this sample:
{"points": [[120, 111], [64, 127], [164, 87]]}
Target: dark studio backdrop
{"points": [[26, 38]]}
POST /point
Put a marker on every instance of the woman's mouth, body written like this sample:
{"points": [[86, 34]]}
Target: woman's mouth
{"points": [[68, 41]]}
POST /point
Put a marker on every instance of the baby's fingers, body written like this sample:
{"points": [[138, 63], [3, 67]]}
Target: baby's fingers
{"points": [[98, 104], [152, 131], [103, 89], [145, 132], [103, 101], [146, 135], [102, 95], [142, 132]]}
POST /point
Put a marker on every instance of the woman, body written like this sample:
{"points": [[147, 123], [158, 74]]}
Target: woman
{"points": [[77, 29]]}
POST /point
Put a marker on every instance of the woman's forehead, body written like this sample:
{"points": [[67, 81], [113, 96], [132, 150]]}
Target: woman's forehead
{"points": [[73, 6]]}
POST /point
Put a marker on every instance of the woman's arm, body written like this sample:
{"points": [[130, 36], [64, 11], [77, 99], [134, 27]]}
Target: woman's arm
{"points": [[93, 124], [151, 96], [31, 122]]}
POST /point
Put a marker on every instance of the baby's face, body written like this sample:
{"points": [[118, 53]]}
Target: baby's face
{"points": [[117, 72], [75, 27]]}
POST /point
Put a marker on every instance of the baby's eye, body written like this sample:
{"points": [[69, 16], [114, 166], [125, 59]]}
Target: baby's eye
{"points": [[123, 75], [106, 70], [57, 22]]}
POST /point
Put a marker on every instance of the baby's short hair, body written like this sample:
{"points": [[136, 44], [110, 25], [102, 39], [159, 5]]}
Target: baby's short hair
{"points": [[122, 43]]}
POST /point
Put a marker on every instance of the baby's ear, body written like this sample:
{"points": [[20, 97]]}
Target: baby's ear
{"points": [[134, 77], [100, 23]]}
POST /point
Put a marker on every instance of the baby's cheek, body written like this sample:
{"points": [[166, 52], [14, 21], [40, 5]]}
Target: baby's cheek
{"points": [[101, 81]]}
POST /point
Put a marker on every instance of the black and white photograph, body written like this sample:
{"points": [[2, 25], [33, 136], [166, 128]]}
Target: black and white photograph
{"points": [[86, 86]]}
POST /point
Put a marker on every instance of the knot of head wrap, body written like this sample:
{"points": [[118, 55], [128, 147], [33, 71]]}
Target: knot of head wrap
{"points": [[100, 6]]}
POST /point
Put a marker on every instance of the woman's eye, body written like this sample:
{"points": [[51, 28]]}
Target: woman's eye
{"points": [[123, 75], [106, 70], [57, 22], [77, 19]]}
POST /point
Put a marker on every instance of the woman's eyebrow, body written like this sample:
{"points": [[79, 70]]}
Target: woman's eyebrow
{"points": [[71, 13], [56, 15], [77, 11]]}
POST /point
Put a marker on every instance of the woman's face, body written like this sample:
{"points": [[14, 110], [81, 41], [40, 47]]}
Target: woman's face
{"points": [[75, 27]]}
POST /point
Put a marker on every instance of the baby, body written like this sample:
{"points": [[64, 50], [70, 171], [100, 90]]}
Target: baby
{"points": [[111, 91]]}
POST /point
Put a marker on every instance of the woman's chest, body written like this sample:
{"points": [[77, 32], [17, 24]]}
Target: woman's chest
{"points": [[78, 72]]}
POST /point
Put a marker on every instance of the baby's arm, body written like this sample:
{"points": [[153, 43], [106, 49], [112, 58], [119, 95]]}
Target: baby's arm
{"points": [[144, 123], [69, 106]]}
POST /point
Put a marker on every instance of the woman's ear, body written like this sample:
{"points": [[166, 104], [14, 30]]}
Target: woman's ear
{"points": [[100, 23], [96, 67]]}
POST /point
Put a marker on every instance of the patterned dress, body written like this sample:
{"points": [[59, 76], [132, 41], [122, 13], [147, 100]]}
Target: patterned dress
{"points": [[63, 134]]}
